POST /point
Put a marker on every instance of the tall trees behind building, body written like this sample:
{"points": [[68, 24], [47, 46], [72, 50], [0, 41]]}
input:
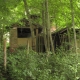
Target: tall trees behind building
{"points": [[59, 13]]}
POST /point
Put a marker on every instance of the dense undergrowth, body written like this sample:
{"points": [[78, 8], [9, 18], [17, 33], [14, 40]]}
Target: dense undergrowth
{"points": [[34, 66]]}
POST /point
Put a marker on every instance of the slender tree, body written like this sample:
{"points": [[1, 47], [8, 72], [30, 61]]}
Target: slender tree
{"points": [[47, 24], [5, 55], [49, 36], [28, 15], [73, 25], [44, 26], [74, 31]]}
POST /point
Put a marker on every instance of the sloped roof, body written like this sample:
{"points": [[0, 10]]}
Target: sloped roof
{"points": [[25, 23], [63, 30]]}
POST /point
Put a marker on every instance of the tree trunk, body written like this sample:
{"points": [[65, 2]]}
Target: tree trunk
{"points": [[5, 55], [51, 41], [75, 41], [47, 24], [68, 32], [44, 26], [73, 25], [49, 37], [28, 15]]}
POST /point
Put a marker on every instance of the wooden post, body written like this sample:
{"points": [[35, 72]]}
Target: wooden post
{"points": [[5, 54], [39, 43], [37, 40], [68, 32], [28, 47]]}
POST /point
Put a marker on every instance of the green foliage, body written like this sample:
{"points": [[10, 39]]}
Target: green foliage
{"points": [[2, 72], [34, 66], [12, 11]]}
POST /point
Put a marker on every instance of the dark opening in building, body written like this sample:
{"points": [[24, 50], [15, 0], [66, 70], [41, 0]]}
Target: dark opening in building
{"points": [[23, 32]]}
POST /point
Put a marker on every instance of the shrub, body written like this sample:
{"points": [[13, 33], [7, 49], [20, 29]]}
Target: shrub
{"points": [[33, 66]]}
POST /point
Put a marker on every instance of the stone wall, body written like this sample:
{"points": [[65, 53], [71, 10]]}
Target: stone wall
{"points": [[13, 38]]}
